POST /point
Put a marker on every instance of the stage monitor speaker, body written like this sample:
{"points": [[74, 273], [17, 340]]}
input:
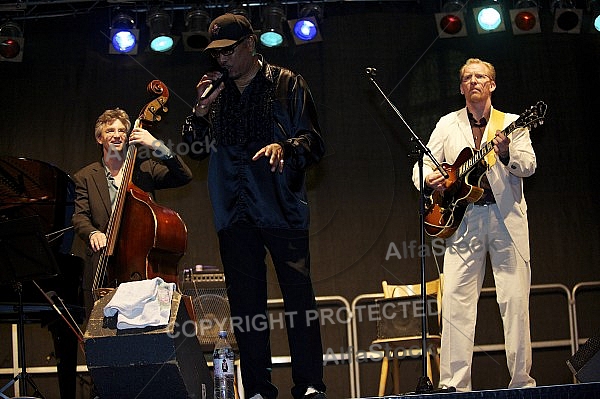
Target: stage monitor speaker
{"points": [[402, 317], [209, 296], [152, 362], [585, 363]]}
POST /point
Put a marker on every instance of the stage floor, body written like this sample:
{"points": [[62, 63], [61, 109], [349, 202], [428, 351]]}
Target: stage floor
{"points": [[570, 391]]}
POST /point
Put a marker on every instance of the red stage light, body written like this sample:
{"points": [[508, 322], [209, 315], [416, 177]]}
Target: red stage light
{"points": [[525, 20], [451, 24], [10, 48]]}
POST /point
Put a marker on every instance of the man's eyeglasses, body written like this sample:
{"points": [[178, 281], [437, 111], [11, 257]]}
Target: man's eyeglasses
{"points": [[226, 51], [479, 77]]}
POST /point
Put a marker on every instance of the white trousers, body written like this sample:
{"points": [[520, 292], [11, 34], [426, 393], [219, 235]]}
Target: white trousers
{"points": [[481, 231]]}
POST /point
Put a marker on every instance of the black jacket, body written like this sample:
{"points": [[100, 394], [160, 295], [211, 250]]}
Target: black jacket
{"points": [[243, 191]]}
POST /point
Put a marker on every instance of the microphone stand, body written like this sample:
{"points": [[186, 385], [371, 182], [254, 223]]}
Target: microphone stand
{"points": [[424, 384]]}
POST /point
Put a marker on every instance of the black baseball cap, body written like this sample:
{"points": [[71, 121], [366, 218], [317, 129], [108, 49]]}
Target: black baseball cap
{"points": [[227, 29]]}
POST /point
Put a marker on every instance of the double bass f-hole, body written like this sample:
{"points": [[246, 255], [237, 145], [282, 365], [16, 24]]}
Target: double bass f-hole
{"points": [[147, 117]]}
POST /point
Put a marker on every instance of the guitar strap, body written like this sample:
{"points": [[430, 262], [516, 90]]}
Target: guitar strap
{"points": [[496, 123]]}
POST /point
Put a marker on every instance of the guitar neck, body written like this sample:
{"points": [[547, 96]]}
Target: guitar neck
{"points": [[479, 155]]}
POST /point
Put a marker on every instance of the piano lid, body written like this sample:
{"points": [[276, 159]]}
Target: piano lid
{"points": [[30, 187], [25, 253]]}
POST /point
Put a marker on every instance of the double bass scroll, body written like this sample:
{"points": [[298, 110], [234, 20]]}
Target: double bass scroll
{"points": [[144, 239]]}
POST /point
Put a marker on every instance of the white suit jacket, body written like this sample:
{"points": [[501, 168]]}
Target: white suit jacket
{"points": [[453, 133]]}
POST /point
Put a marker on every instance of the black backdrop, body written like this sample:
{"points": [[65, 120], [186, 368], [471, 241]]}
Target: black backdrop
{"points": [[361, 194]]}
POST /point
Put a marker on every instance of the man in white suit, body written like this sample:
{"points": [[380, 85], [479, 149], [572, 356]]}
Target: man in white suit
{"points": [[495, 224]]}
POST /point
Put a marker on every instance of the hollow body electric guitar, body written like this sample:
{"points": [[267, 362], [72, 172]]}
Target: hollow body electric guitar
{"points": [[444, 210]]}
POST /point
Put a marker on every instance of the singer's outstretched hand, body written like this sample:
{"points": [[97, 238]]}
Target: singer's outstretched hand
{"points": [[275, 154]]}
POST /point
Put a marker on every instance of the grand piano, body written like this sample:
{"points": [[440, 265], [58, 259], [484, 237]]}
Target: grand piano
{"points": [[36, 189]]}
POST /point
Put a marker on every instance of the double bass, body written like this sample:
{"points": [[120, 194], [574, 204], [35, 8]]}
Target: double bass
{"points": [[144, 239]]}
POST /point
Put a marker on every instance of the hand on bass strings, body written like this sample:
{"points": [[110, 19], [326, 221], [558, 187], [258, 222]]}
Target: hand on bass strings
{"points": [[97, 241], [144, 138]]}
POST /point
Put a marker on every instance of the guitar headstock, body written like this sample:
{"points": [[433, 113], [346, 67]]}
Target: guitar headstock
{"points": [[533, 117]]}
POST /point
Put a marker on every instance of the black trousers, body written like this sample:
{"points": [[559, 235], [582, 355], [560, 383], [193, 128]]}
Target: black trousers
{"points": [[243, 252]]}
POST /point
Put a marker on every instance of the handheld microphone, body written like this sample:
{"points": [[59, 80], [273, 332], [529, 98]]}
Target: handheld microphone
{"points": [[371, 71], [215, 83]]}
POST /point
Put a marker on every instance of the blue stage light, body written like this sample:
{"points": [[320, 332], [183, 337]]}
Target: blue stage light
{"points": [[489, 19], [594, 7], [124, 41], [272, 32], [161, 43], [271, 39], [123, 35], [305, 29], [161, 39]]}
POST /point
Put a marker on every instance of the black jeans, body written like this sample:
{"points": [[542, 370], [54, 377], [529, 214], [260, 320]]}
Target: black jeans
{"points": [[243, 252]]}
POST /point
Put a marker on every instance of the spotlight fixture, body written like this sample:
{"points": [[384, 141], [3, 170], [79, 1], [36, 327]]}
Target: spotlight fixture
{"points": [[450, 21], [161, 40], [11, 42], [594, 6], [489, 18], [124, 35], [306, 29], [196, 37], [567, 18], [524, 17], [238, 9], [272, 32]]}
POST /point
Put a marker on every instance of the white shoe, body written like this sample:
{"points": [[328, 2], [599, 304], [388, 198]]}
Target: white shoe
{"points": [[312, 393]]}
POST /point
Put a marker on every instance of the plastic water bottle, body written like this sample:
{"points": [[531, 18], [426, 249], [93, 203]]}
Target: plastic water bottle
{"points": [[223, 357]]}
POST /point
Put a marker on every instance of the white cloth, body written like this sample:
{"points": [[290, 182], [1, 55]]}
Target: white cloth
{"points": [[141, 304]]}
